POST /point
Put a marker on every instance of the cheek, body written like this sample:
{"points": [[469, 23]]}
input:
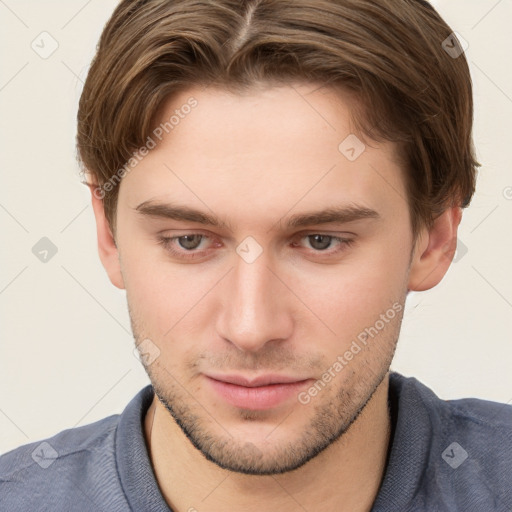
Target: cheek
{"points": [[167, 301], [351, 296], [151, 291], [162, 309]]}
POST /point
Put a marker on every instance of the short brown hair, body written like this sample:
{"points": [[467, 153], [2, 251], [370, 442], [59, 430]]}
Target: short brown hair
{"points": [[389, 52]]}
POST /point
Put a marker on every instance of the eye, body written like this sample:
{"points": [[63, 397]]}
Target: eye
{"points": [[321, 243], [190, 245], [189, 242], [186, 246]]}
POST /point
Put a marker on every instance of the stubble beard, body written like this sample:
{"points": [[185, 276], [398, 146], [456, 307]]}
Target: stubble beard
{"points": [[333, 414]]}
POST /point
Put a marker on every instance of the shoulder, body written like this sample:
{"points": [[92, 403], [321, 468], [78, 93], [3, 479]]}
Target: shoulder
{"points": [[470, 415], [66, 444], [469, 450], [465, 418], [474, 441], [63, 469]]}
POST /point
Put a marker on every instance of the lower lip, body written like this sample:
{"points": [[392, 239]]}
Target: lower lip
{"points": [[257, 398]]}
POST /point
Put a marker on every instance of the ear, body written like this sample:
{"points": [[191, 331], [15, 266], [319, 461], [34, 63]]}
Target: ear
{"points": [[434, 251], [107, 248]]}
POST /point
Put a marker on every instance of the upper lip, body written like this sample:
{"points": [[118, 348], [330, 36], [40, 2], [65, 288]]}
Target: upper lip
{"points": [[262, 380]]}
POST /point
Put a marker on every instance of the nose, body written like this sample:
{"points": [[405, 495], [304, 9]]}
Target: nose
{"points": [[254, 308]]}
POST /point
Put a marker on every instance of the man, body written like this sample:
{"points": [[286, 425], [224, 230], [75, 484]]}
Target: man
{"points": [[269, 181]]}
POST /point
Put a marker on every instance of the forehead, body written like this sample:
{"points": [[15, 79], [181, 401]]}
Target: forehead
{"points": [[267, 151], [248, 122]]}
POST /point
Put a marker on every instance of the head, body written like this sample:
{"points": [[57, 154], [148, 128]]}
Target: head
{"points": [[269, 181]]}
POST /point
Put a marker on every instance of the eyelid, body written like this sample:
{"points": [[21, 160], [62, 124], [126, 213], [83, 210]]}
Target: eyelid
{"points": [[167, 243], [342, 242]]}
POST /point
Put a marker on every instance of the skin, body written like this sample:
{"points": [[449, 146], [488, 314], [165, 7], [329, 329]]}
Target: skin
{"points": [[253, 161]]}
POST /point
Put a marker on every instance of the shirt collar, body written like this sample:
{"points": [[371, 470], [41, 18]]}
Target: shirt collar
{"points": [[133, 463], [409, 445]]}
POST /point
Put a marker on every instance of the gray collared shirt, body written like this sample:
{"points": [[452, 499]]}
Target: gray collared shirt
{"points": [[453, 455]]}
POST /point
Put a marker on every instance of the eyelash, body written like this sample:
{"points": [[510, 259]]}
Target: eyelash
{"points": [[166, 242]]}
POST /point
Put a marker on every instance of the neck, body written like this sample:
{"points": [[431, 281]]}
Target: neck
{"points": [[346, 476]]}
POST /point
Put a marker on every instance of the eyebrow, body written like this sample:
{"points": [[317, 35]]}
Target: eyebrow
{"points": [[335, 215], [332, 215], [180, 213]]}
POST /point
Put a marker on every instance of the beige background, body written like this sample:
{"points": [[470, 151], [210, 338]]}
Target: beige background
{"points": [[66, 352]]}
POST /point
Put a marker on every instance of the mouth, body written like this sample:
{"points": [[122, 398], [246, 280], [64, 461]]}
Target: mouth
{"points": [[260, 393]]}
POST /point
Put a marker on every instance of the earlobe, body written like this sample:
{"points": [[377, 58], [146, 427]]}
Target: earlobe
{"points": [[107, 248], [434, 251]]}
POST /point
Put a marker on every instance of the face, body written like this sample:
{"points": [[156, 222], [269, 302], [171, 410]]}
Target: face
{"points": [[266, 270]]}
